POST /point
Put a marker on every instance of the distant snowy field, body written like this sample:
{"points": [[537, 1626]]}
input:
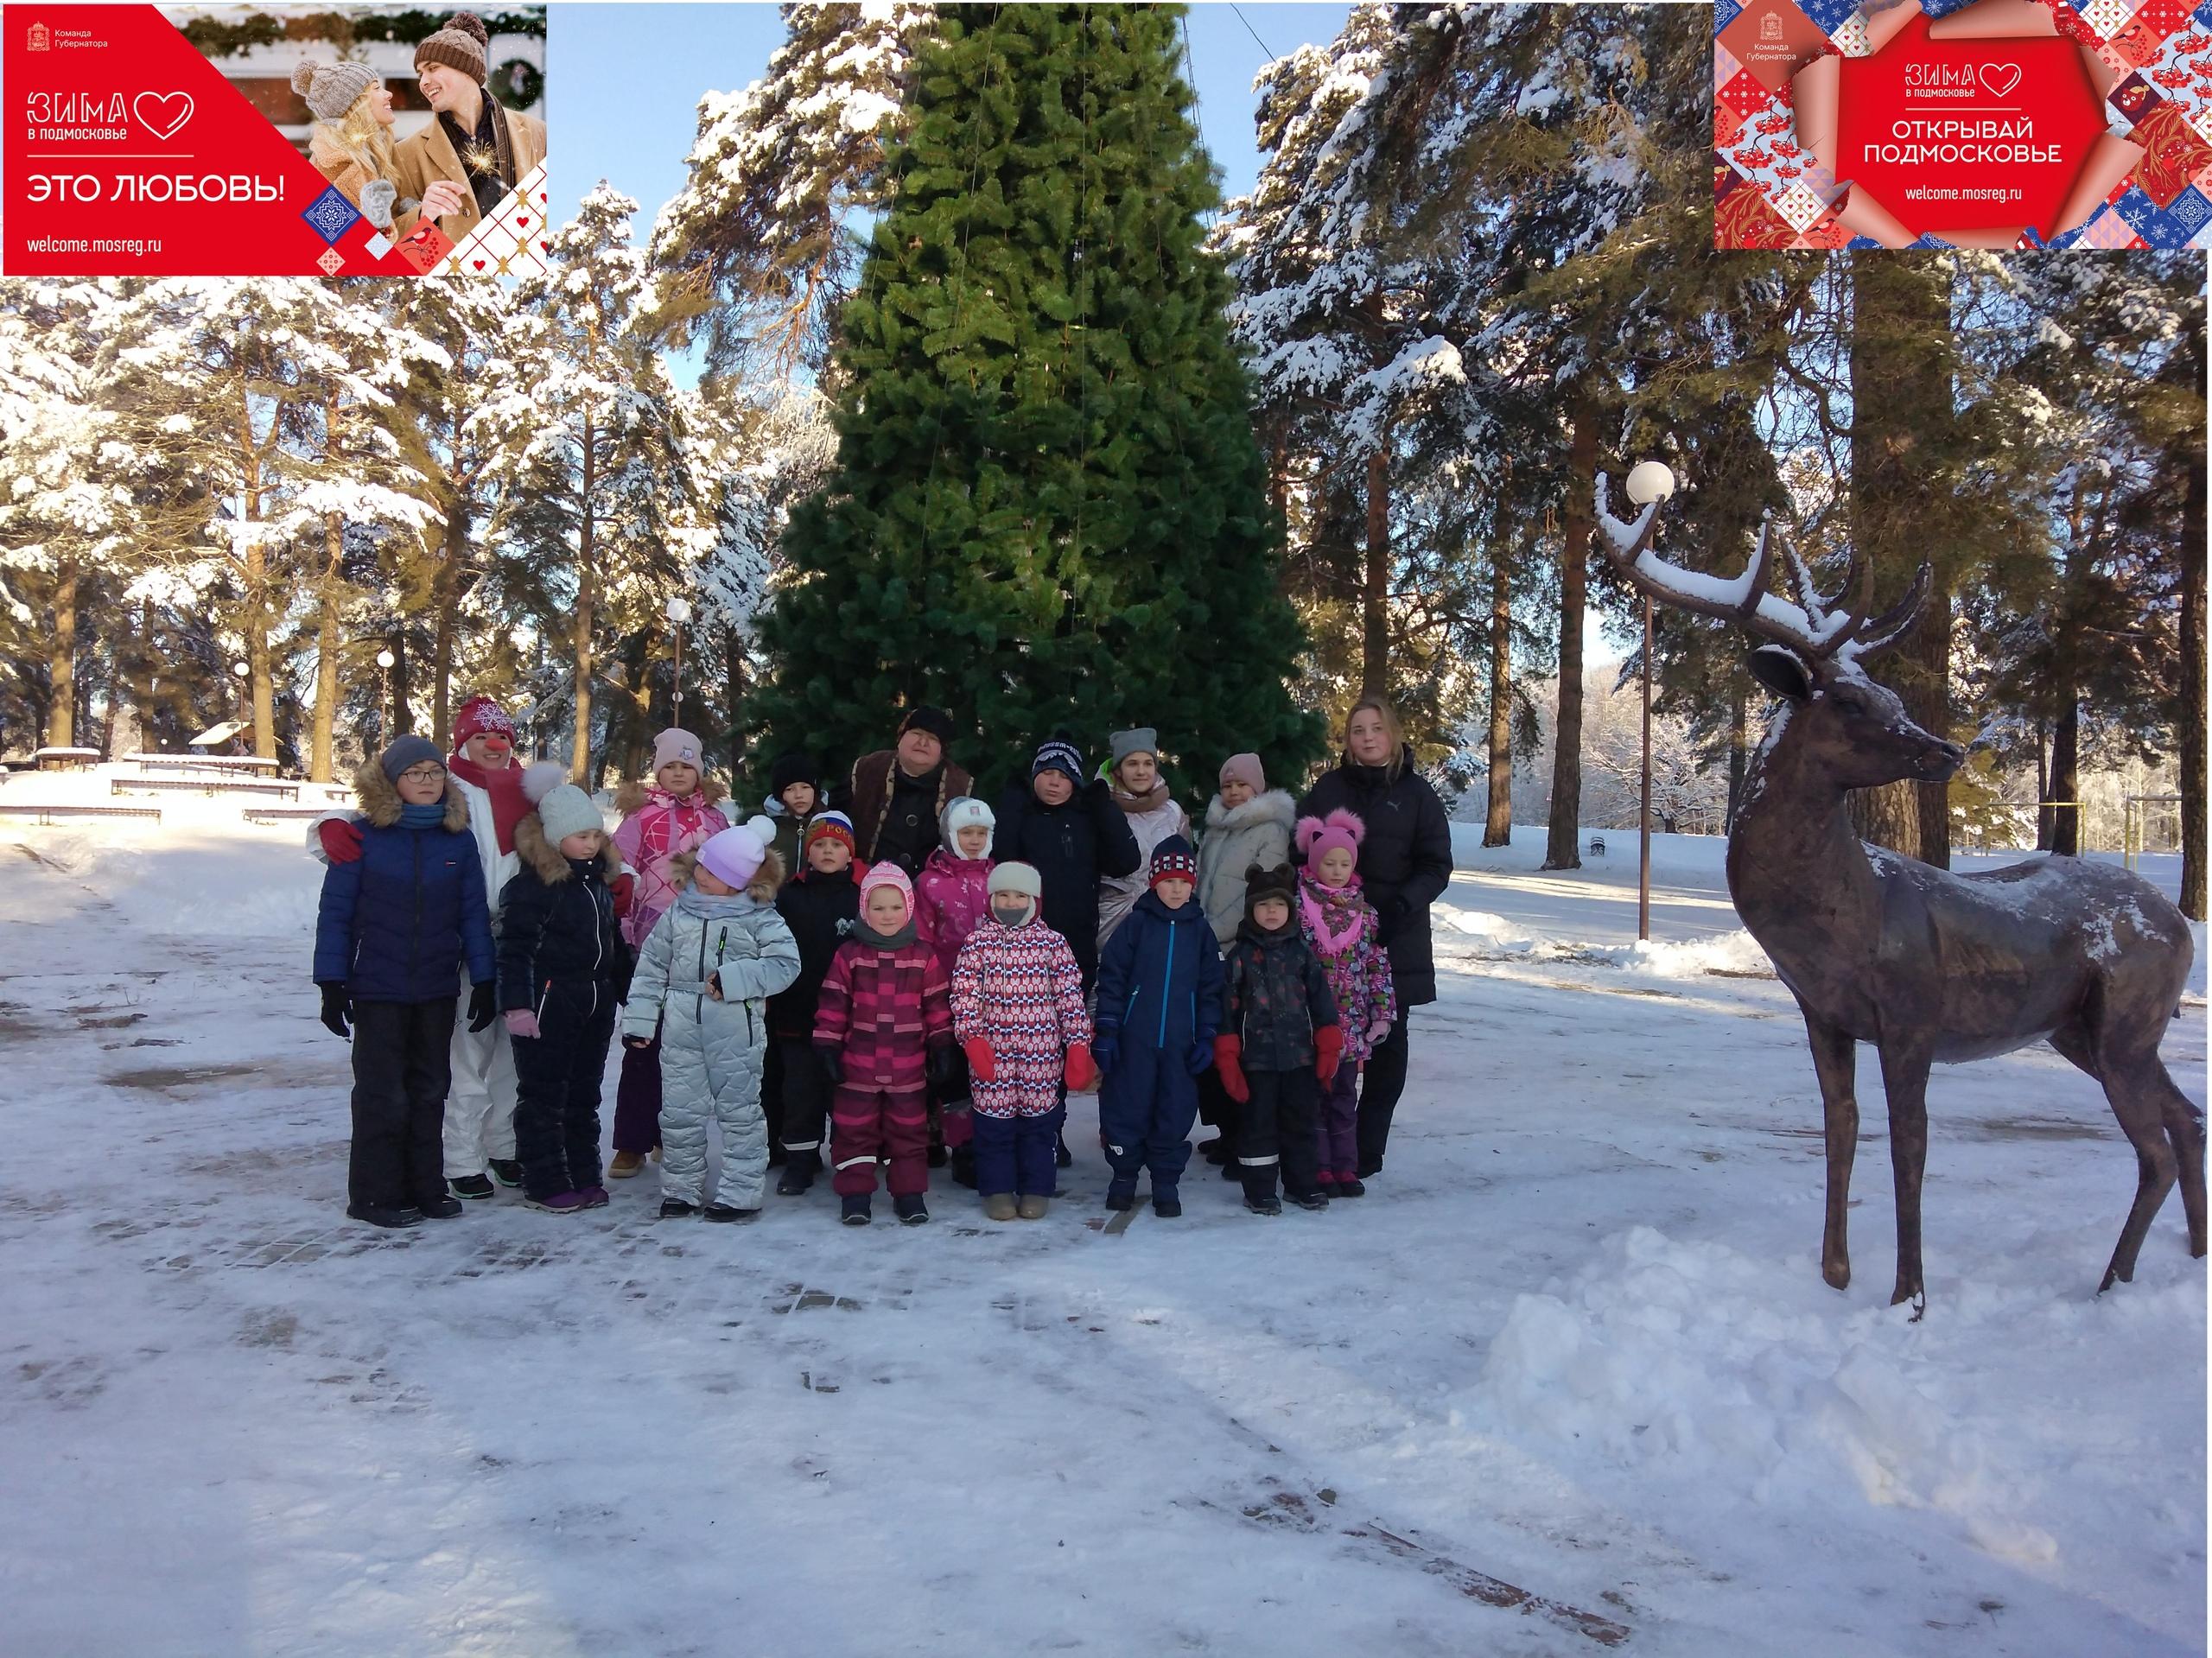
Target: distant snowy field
{"points": [[1574, 1344]]}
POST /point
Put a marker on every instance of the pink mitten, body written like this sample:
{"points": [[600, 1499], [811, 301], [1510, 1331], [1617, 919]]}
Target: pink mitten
{"points": [[521, 1022], [1378, 1031]]}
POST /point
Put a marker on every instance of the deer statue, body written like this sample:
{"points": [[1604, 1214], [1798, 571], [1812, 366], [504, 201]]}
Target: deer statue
{"points": [[1926, 965]]}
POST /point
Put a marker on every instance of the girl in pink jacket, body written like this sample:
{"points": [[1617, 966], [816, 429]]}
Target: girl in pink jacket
{"points": [[952, 896], [661, 819]]}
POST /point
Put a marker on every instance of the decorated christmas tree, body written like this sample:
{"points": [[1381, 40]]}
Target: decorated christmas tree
{"points": [[1049, 510]]}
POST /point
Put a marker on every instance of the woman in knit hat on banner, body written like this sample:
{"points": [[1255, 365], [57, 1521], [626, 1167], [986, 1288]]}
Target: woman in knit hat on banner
{"points": [[477, 144], [699, 998], [480, 1130], [661, 820], [351, 144]]}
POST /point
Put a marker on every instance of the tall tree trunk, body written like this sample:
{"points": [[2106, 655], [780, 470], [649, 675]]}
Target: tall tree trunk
{"points": [[326, 650], [258, 665], [1901, 362], [142, 676], [2066, 779], [1563, 847], [402, 716], [1497, 828], [734, 647], [1739, 751], [2188, 712], [2043, 786], [447, 599], [1374, 601], [580, 755], [61, 659]]}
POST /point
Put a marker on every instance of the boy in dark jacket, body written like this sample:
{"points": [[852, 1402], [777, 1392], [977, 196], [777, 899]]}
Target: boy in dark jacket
{"points": [[563, 968], [393, 925], [818, 905], [1279, 1043], [1158, 1008]]}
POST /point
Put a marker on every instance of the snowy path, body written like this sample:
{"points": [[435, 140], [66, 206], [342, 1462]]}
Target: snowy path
{"points": [[1575, 1340]]}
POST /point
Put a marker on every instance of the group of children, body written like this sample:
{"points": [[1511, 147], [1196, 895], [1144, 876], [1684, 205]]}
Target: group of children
{"points": [[821, 1010]]}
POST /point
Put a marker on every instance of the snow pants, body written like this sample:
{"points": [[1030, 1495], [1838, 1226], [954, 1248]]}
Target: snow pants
{"points": [[866, 1123], [1383, 1082], [637, 1099], [1338, 1140], [806, 1095], [558, 1080], [1018, 1154], [1146, 1107], [1278, 1129], [696, 1091], [402, 1054], [479, 1115]]}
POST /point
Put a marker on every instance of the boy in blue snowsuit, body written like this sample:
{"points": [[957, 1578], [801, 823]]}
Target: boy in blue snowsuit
{"points": [[1158, 1008]]}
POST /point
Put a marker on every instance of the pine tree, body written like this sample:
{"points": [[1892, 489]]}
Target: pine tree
{"points": [[1048, 509]]}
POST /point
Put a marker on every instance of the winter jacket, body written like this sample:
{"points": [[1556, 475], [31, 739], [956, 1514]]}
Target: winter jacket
{"points": [[1117, 894], [1072, 845], [658, 826], [405, 919], [1019, 990], [818, 908], [499, 867], [1257, 832], [558, 940], [883, 1007], [429, 155], [791, 834], [739, 937], [1160, 979], [1276, 996], [1405, 862], [952, 897], [896, 817], [1344, 930]]}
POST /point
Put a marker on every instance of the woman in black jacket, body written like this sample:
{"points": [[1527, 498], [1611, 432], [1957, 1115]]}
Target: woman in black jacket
{"points": [[1405, 863]]}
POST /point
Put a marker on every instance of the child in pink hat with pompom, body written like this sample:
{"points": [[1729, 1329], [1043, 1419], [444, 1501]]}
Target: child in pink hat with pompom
{"points": [[1345, 933]]}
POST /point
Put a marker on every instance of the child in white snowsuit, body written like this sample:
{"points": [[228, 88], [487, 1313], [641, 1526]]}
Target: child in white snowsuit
{"points": [[1017, 1014], [710, 964]]}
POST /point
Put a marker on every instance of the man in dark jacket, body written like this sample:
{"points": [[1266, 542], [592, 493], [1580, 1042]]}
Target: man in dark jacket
{"points": [[1405, 864], [898, 794], [1072, 831]]}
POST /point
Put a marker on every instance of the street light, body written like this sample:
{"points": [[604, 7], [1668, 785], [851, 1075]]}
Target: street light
{"points": [[239, 671], [385, 661], [1648, 481], [678, 611]]}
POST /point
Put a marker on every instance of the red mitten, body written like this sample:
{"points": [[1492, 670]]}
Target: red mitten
{"points": [[983, 1064], [1329, 1044], [1082, 1070], [340, 838], [624, 888], [1227, 1052]]}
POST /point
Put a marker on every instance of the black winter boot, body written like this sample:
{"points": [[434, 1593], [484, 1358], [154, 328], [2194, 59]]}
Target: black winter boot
{"points": [[798, 1174], [442, 1208], [377, 1214], [1064, 1157], [1166, 1202], [507, 1171], [675, 1209], [471, 1185], [912, 1208], [857, 1209], [964, 1166], [726, 1212], [1120, 1193]]}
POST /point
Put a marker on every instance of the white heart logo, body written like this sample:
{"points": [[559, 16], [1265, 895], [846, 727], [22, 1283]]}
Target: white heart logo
{"points": [[162, 114], [2001, 78]]}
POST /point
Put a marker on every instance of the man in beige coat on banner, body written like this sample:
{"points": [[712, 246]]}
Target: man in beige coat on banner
{"points": [[475, 141]]}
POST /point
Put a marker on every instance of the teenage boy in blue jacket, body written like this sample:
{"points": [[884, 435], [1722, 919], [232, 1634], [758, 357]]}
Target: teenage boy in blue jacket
{"points": [[1158, 1010], [393, 925]]}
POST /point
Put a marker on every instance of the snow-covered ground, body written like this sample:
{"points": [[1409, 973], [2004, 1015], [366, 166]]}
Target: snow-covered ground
{"points": [[1575, 1343]]}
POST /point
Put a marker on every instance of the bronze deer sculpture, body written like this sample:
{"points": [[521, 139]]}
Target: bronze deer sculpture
{"points": [[1927, 966]]}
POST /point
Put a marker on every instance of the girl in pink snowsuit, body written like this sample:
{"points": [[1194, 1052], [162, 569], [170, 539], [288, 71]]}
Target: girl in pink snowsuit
{"points": [[951, 896], [1345, 933], [661, 819]]}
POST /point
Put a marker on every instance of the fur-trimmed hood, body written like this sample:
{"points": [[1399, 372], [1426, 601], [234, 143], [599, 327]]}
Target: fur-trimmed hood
{"points": [[544, 859], [633, 795], [380, 803], [765, 882], [1275, 806]]}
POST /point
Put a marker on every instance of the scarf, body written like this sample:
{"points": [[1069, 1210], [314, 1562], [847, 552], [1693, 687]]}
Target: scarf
{"points": [[509, 804], [869, 935], [491, 188], [1320, 903], [1137, 805], [710, 905], [423, 817], [675, 825]]}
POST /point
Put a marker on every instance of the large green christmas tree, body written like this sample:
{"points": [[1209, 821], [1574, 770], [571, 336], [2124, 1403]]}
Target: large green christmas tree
{"points": [[1048, 511]]}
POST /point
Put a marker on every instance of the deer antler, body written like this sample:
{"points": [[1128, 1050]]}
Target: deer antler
{"points": [[1814, 626]]}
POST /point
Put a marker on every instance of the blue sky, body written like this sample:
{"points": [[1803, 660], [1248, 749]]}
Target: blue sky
{"points": [[623, 84]]}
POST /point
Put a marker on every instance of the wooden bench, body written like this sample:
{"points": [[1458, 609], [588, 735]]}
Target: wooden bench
{"points": [[46, 814], [285, 814], [148, 764], [209, 786]]}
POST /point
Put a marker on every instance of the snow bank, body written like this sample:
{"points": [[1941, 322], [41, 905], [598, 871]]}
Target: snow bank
{"points": [[1486, 935]]}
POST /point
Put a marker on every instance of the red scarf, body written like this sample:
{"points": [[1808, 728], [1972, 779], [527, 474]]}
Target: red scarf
{"points": [[509, 804]]}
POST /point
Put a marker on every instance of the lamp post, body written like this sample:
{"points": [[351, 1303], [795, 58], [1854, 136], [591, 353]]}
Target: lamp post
{"points": [[239, 672], [1648, 481], [385, 661], [678, 611]]}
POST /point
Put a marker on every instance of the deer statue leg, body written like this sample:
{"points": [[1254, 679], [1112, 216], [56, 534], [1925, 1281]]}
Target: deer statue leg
{"points": [[1905, 1079], [1835, 1059], [2137, 1087], [2185, 1128]]}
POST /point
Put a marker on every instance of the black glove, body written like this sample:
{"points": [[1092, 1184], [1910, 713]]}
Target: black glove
{"points": [[833, 1065], [337, 1009], [942, 1062], [483, 1006]]}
